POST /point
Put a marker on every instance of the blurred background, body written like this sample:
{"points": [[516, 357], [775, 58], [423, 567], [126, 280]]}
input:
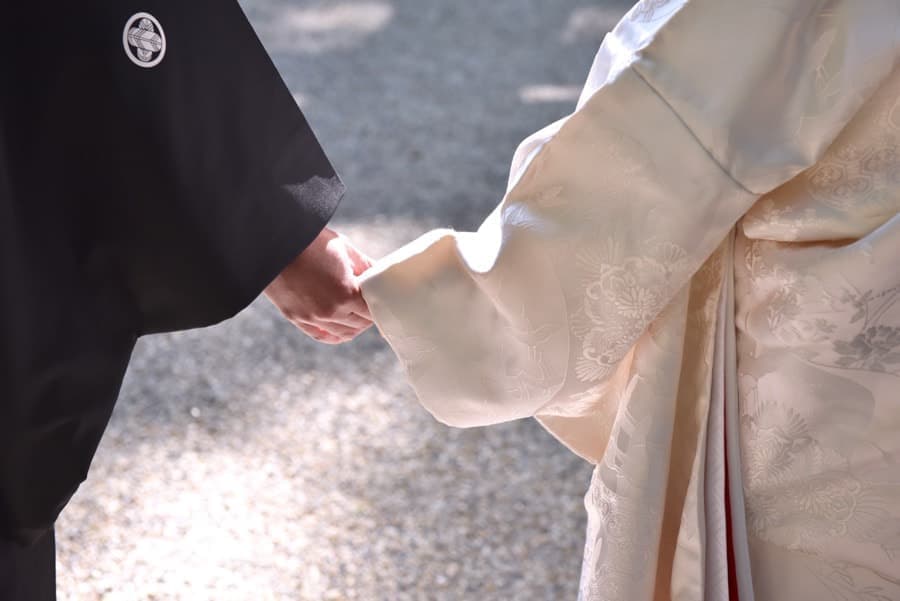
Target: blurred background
{"points": [[247, 462]]}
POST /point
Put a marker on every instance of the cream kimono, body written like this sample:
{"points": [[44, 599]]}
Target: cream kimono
{"points": [[693, 281]]}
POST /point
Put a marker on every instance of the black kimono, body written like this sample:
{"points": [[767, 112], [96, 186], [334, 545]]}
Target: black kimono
{"points": [[155, 174]]}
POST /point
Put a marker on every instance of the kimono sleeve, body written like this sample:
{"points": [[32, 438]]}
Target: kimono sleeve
{"points": [[140, 192], [691, 111], [235, 184], [193, 176]]}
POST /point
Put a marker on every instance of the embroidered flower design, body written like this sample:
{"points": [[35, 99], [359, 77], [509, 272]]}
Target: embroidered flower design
{"points": [[632, 300], [874, 348], [847, 152], [852, 188], [622, 296], [880, 160], [852, 176], [833, 497], [824, 177], [774, 437]]}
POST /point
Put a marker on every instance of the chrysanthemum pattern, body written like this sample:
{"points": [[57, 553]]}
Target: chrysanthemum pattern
{"points": [[827, 323], [804, 494], [622, 295], [856, 182]]}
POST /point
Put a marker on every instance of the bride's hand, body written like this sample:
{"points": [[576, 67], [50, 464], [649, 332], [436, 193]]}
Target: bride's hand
{"points": [[318, 291]]}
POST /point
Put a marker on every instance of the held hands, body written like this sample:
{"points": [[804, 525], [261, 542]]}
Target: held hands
{"points": [[318, 292]]}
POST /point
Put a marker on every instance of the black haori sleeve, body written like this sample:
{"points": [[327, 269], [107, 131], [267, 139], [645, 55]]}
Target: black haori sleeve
{"points": [[155, 174], [217, 179]]}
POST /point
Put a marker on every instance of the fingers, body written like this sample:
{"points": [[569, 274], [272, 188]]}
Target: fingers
{"points": [[317, 334], [319, 291], [329, 333], [332, 332], [352, 320], [358, 260], [357, 305], [339, 330], [341, 325]]}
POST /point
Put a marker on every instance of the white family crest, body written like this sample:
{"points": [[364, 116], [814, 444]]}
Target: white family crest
{"points": [[144, 40]]}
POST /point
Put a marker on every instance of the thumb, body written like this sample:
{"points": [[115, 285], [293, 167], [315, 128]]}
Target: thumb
{"points": [[358, 260]]}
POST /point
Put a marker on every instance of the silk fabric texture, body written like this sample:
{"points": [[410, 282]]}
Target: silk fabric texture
{"points": [[132, 201], [692, 282]]}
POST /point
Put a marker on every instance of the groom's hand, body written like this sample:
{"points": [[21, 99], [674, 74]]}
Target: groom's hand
{"points": [[318, 292]]}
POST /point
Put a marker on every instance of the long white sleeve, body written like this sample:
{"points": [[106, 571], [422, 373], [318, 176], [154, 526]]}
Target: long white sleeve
{"points": [[692, 109]]}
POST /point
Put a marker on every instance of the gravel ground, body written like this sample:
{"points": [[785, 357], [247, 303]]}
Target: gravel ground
{"points": [[246, 462]]}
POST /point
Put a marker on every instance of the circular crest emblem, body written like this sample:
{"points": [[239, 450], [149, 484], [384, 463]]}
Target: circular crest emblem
{"points": [[144, 40]]}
